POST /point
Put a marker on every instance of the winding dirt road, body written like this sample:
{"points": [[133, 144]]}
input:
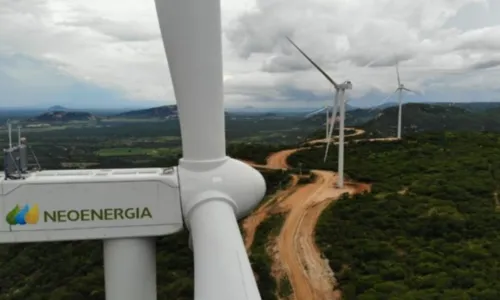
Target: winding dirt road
{"points": [[357, 131], [295, 254]]}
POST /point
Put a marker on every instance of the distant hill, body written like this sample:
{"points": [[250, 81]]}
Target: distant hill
{"points": [[63, 116], [57, 108], [165, 111], [432, 117], [473, 106], [470, 106], [354, 117]]}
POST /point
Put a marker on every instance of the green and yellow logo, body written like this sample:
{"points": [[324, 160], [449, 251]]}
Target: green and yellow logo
{"points": [[23, 216]]}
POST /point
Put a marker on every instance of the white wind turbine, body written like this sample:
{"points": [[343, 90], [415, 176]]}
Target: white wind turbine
{"points": [[338, 105], [328, 121], [399, 90], [128, 208], [215, 189]]}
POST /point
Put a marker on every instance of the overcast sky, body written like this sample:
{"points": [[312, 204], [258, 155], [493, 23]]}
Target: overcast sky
{"points": [[108, 53]]}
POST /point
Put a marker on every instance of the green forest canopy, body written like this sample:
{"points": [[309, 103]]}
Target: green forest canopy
{"points": [[429, 230]]}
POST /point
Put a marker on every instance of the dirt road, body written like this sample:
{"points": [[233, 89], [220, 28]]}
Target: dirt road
{"points": [[309, 275], [357, 131], [278, 160], [297, 255], [251, 222]]}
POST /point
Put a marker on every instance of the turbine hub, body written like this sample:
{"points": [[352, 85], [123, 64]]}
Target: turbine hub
{"points": [[347, 85], [226, 179]]}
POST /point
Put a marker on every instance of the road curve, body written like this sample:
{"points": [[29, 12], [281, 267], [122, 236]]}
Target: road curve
{"points": [[253, 221], [298, 256]]}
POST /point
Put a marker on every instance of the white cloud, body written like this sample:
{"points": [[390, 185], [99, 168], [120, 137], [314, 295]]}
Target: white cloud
{"points": [[116, 45]]}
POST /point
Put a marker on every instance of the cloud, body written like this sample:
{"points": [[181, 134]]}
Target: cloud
{"points": [[115, 46], [23, 79]]}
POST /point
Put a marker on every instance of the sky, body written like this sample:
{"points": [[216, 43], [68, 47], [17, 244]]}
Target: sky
{"points": [[109, 53]]}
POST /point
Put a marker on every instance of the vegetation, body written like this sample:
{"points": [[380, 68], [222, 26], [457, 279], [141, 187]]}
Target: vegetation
{"points": [[430, 228], [63, 116], [73, 270], [437, 117], [260, 258], [154, 112]]}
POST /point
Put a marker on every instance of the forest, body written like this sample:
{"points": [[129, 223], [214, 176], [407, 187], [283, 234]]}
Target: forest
{"points": [[429, 229], [74, 270]]}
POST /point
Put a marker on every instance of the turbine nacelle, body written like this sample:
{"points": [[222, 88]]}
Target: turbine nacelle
{"points": [[346, 85]]}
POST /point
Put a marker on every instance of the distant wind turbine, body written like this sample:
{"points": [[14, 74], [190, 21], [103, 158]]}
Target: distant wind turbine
{"points": [[328, 119], [399, 90], [338, 104]]}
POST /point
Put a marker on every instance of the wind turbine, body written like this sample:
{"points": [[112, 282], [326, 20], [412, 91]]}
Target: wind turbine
{"points": [[215, 189], [399, 90], [328, 120], [338, 105], [128, 208]]}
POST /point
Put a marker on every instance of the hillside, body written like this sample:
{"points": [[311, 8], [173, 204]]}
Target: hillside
{"points": [[430, 227], [474, 106], [165, 111], [63, 116], [419, 117], [57, 108]]}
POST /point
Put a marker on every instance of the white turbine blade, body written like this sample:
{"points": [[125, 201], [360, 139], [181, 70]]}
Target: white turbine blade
{"points": [[397, 72], [327, 123], [197, 81], [412, 91], [314, 64], [385, 99], [214, 189], [315, 112], [332, 125]]}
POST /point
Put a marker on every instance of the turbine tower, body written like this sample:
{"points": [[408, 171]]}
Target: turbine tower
{"points": [[338, 105], [128, 208], [400, 89]]}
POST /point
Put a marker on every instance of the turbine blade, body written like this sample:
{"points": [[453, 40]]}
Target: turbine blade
{"points": [[314, 64], [385, 99], [412, 91], [327, 123], [397, 73], [332, 125], [195, 62], [191, 33], [315, 112]]}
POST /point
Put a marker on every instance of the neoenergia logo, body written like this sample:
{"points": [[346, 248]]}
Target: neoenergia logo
{"points": [[22, 216]]}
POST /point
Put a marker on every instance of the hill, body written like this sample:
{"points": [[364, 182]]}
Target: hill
{"points": [[470, 106], [57, 108], [165, 111], [419, 117], [428, 230], [354, 117], [63, 116], [474, 106]]}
